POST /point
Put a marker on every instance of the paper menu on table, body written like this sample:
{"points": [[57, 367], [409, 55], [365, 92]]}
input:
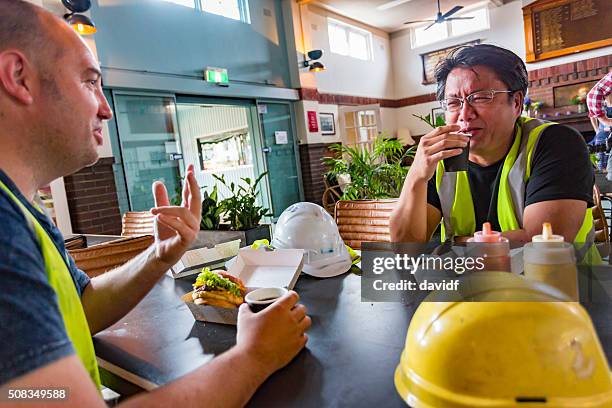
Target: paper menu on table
{"points": [[192, 261]]}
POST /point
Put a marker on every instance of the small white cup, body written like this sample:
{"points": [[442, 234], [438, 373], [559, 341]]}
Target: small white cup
{"points": [[261, 298]]}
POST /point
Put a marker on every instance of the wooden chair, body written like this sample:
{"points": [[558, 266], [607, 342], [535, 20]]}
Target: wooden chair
{"points": [[331, 196], [602, 233], [135, 223], [364, 221], [76, 242], [101, 258]]}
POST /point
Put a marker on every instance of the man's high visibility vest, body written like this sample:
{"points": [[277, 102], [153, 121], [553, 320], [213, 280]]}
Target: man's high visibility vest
{"points": [[453, 188], [70, 306]]}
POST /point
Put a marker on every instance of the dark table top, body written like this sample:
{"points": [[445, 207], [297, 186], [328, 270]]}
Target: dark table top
{"points": [[350, 358]]}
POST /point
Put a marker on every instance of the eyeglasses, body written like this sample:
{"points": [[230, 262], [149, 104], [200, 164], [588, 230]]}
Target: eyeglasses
{"points": [[476, 99]]}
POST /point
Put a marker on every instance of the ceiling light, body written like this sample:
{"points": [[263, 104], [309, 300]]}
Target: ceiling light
{"points": [[81, 23], [314, 66]]}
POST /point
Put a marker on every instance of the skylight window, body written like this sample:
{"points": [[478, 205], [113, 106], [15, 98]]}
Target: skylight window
{"points": [[186, 3], [234, 9], [479, 22], [345, 39], [450, 29]]}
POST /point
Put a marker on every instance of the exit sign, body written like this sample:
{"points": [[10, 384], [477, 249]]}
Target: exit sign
{"points": [[217, 76]]}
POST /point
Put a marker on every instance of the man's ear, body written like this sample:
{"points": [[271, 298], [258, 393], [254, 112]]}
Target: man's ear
{"points": [[16, 76], [517, 102]]}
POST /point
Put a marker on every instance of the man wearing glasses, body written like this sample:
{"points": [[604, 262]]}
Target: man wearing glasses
{"points": [[521, 171]]}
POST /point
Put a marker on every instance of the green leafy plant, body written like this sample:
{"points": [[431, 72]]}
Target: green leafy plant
{"points": [[434, 122], [241, 209], [211, 211], [578, 99], [177, 199], [375, 173]]}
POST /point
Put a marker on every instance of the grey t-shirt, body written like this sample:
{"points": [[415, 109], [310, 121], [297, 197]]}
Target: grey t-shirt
{"points": [[32, 332]]}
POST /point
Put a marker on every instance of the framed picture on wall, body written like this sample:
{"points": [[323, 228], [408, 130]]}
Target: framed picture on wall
{"points": [[437, 116], [328, 124], [431, 59]]}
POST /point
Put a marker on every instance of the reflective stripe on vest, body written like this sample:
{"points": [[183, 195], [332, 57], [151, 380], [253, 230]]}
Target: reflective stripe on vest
{"points": [[453, 188], [68, 299]]}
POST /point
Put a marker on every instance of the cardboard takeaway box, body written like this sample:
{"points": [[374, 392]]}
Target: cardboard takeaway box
{"points": [[192, 262], [258, 268]]}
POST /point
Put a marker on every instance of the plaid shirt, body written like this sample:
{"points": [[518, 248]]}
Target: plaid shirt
{"points": [[597, 96]]}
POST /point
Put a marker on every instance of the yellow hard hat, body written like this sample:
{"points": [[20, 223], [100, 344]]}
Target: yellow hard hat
{"points": [[542, 352]]}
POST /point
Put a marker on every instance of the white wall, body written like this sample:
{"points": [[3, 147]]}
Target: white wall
{"points": [[404, 118], [346, 75], [343, 75], [506, 24], [506, 30], [388, 121], [307, 137]]}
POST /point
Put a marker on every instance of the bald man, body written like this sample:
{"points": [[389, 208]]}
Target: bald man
{"points": [[51, 113]]}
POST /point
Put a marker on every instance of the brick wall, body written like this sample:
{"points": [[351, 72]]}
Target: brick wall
{"points": [[92, 199], [313, 169], [312, 94], [542, 81]]}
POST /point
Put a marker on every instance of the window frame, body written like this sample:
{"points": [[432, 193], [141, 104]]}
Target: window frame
{"points": [[372, 111], [449, 28], [243, 9], [348, 29]]}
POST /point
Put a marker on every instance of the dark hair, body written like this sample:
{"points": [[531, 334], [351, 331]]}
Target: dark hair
{"points": [[510, 69]]}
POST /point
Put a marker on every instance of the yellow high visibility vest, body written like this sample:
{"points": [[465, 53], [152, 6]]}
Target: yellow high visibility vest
{"points": [[458, 218], [68, 299]]}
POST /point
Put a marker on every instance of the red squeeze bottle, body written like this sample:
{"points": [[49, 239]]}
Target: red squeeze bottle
{"points": [[492, 247], [487, 234]]}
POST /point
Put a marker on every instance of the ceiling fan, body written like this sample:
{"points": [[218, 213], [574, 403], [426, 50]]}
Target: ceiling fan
{"points": [[440, 18]]}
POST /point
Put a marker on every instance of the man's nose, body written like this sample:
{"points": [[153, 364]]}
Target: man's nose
{"points": [[467, 112], [104, 112]]}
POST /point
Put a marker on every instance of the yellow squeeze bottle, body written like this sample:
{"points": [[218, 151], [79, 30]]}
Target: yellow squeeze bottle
{"points": [[551, 260], [547, 235]]}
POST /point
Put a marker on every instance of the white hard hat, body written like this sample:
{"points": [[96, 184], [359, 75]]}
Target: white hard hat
{"points": [[309, 227]]}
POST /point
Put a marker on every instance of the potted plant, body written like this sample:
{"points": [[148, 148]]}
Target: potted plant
{"points": [[527, 106], [434, 122], [537, 107], [211, 211], [375, 173], [240, 210], [580, 100]]}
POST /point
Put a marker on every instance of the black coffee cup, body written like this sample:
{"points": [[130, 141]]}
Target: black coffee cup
{"points": [[459, 162], [261, 298]]}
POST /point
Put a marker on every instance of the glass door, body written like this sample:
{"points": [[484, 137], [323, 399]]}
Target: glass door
{"points": [[216, 138], [221, 137], [281, 155], [148, 139], [359, 125]]}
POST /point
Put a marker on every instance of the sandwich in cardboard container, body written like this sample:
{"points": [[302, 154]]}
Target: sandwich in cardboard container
{"points": [[217, 288]]}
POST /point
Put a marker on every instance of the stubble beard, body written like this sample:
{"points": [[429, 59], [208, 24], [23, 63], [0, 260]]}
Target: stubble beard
{"points": [[68, 144]]}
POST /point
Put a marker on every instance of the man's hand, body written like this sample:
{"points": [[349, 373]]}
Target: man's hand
{"points": [[176, 226], [275, 335], [433, 147]]}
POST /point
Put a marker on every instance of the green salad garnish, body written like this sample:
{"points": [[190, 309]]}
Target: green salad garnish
{"points": [[213, 281]]}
